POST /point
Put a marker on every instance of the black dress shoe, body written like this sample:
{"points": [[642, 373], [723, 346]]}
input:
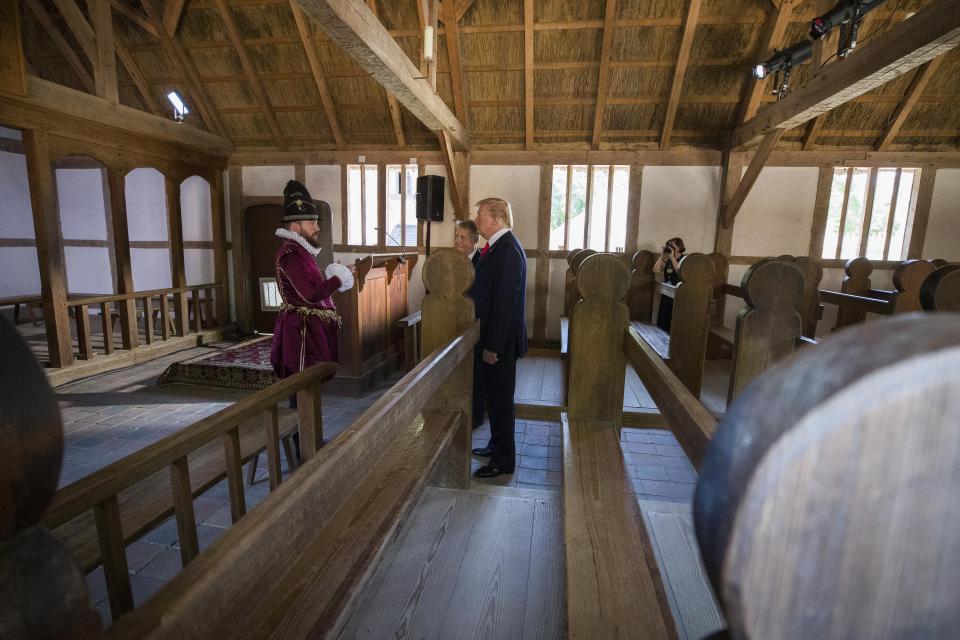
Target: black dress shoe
{"points": [[483, 452], [490, 471]]}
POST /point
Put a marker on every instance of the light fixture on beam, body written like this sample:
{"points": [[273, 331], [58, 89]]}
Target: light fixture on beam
{"points": [[848, 15], [428, 43], [180, 108], [782, 63]]}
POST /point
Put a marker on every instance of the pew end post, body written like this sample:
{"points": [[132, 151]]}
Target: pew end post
{"points": [[446, 312]]}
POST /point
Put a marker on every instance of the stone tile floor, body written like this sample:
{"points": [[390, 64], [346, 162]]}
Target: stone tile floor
{"points": [[657, 466]]}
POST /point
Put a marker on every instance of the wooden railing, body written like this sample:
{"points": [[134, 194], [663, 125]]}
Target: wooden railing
{"points": [[198, 298], [26, 302], [100, 491]]}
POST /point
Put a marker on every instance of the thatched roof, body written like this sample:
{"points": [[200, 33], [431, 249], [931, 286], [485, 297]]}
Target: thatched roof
{"points": [[568, 44]]}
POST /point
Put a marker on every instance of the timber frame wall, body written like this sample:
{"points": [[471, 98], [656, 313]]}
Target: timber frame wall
{"points": [[56, 123]]}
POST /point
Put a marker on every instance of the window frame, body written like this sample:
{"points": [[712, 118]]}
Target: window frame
{"points": [[379, 244], [588, 205]]}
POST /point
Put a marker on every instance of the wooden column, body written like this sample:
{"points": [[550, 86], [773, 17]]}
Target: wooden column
{"points": [[729, 180], [178, 274], [46, 223], [921, 213], [238, 247], [633, 210], [219, 226], [542, 277], [820, 209], [121, 248]]}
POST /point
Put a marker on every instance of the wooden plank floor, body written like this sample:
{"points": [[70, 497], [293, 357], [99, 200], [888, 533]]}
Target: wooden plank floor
{"points": [[484, 563]]}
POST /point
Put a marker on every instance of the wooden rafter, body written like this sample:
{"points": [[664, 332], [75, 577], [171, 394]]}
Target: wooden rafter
{"points": [[458, 173], [78, 26], [392, 103], [913, 94], [136, 16], [931, 32], [303, 30], [732, 208], [263, 100], [136, 74], [353, 26], [105, 63], [771, 38], [171, 15], [528, 113], [686, 42], [60, 42], [452, 35], [462, 7], [603, 80]]}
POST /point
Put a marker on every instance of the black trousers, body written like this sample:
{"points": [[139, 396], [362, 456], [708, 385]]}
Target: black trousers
{"points": [[499, 383], [479, 404]]}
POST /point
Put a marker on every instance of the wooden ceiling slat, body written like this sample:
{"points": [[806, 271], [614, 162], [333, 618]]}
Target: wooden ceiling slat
{"points": [[171, 15], [263, 100], [686, 42], [448, 13], [917, 87], [603, 83], [322, 87]]}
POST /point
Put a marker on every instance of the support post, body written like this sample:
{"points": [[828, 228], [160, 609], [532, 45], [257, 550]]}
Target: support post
{"points": [[178, 273], [121, 247]]}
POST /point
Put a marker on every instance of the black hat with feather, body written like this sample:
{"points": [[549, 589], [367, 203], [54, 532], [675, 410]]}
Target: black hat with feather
{"points": [[297, 203]]}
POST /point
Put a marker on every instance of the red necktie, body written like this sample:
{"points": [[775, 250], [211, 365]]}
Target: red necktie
{"points": [[486, 248]]}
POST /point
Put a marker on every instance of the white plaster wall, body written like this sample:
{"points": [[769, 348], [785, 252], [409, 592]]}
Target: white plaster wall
{"points": [[16, 220], [82, 208], [146, 199], [520, 186], [198, 265], [195, 209], [11, 134], [151, 269], [441, 233], [679, 201], [88, 270], [267, 181], [943, 227], [19, 272], [777, 215], [323, 183]]}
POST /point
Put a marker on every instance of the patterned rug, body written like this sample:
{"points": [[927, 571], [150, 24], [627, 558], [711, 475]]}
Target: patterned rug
{"points": [[242, 366]]}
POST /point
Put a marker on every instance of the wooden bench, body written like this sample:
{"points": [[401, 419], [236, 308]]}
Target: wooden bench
{"points": [[293, 566], [941, 290], [98, 515], [29, 303], [684, 348]]}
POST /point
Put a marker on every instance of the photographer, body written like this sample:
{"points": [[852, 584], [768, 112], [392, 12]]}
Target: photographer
{"points": [[669, 265]]}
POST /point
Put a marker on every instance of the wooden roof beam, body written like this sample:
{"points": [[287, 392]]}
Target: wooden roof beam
{"points": [[392, 104], [259, 93], [105, 63], [462, 7], [917, 86], [60, 42], [353, 26], [603, 80], [686, 42], [313, 60], [136, 75], [135, 16], [458, 173], [528, 114], [448, 13], [771, 38], [931, 32], [78, 26]]}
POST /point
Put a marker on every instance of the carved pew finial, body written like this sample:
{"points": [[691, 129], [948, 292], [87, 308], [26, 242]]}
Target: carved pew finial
{"points": [[44, 595], [908, 277], [642, 286], [826, 505], [597, 323], [941, 290], [769, 326], [855, 282], [447, 310]]}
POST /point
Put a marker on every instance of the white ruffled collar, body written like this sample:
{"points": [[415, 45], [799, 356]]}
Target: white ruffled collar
{"points": [[299, 239]]}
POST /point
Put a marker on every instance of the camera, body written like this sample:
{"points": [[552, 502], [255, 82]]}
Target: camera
{"points": [[667, 248]]}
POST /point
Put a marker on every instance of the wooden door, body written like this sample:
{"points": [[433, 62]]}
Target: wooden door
{"points": [[262, 221]]}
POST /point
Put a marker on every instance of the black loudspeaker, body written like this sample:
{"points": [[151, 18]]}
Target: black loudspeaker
{"points": [[430, 198]]}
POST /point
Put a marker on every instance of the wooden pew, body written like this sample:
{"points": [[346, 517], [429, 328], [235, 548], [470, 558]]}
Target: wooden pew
{"points": [[643, 284], [571, 296], [941, 289], [411, 339], [684, 348], [856, 281], [293, 567], [613, 584]]}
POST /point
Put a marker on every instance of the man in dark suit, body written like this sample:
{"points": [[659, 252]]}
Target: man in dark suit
{"points": [[465, 238], [498, 293]]}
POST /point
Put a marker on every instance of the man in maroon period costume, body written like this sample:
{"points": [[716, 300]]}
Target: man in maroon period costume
{"points": [[307, 326]]}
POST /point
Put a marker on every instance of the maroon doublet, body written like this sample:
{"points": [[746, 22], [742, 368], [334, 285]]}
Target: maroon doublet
{"points": [[306, 328]]}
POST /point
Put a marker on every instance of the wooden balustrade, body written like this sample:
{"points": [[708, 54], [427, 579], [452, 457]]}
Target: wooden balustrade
{"points": [[101, 491], [202, 307]]}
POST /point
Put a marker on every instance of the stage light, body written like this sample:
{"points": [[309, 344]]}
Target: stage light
{"points": [[783, 61], [848, 14], [180, 108]]}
